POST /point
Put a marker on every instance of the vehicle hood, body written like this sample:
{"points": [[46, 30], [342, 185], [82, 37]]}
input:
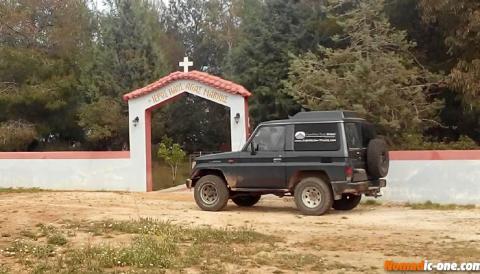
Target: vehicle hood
{"points": [[217, 157]]}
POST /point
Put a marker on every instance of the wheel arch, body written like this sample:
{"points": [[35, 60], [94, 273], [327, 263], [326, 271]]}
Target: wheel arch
{"points": [[209, 171], [301, 174]]}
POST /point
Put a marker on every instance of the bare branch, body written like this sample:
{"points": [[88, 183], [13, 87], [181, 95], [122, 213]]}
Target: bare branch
{"points": [[435, 122], [420, 85]]}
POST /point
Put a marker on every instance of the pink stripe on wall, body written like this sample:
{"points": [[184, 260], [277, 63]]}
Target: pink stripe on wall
{"points": [[394, 155], [66, 155], [435, 155]]}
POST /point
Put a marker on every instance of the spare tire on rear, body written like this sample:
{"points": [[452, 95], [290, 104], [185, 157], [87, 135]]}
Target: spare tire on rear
{"points": [[378, 160]]}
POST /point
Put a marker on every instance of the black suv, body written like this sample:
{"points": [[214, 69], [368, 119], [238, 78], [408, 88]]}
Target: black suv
{"points": [[324, 159]]}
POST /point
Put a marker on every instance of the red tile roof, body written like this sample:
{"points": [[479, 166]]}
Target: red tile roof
{"points": [[202, 77]]}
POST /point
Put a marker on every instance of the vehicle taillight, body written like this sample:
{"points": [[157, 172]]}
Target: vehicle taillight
{"points": [[348, 173]]}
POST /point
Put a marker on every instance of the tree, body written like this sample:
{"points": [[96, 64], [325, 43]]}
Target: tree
{"points": [[103, 123], [458, 22], [375, 75], [270, 31], [459, 116], [64, 65], [208, 30], [129, 54], [16, 135], [40, 45], [205, 125], [172, 154]]}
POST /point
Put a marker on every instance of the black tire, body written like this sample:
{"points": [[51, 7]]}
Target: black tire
{"points": [[211, 193], [348, 202], [378, 160], [246, 200], [313, 196]]}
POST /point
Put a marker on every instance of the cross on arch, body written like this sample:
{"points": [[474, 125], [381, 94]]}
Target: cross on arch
{"points": [[185, 64]]}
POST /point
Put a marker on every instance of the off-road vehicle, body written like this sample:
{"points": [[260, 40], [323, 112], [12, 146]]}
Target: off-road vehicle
{"points": [[324, 159]]}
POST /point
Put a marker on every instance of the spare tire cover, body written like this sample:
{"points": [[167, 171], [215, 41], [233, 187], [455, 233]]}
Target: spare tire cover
{"points": [[378, 160]]}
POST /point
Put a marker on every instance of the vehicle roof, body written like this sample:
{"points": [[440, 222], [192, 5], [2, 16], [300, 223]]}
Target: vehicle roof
{"points": [[318, 116]]}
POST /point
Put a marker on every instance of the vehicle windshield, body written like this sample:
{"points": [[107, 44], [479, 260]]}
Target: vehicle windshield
{"points": [[269, 138]]}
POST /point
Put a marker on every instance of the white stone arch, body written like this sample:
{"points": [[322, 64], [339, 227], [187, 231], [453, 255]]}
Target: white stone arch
{"points": [[143, 101]]}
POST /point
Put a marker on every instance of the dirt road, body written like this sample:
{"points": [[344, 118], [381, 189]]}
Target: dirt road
{"points": [[355, 241]]}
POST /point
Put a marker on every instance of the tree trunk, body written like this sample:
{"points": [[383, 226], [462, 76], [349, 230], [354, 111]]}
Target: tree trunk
{"points": [[176, 171], [173, 174]]}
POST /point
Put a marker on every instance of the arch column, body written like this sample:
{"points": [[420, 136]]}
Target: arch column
{"points": [[140, 108]]}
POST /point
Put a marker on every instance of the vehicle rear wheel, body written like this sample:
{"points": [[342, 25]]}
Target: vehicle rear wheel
{"points": [[246, 200], [313, 196], [211, 193], [348, 202]]}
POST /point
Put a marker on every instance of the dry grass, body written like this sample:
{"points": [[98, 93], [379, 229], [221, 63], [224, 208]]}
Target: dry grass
{"points": [[153, 245], [300, 261], [168, 229], [371, 202], [464, 254], [332, 243], [437, 206], [29, 234], [20, 190], [290, 261], [4, 269], [57, 239]]}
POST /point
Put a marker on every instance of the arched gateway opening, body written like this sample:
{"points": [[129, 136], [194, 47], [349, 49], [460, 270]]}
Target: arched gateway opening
{"points": [[143, 101]]}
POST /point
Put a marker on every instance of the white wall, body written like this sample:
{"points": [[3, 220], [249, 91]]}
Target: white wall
{"points": [[72, 174], [442, 181]]}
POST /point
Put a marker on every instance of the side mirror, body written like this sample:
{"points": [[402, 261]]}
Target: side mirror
{"points": [[253, 151]]}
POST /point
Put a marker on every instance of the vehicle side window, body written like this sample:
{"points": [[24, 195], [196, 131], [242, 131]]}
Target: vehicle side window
{"points": [[270, 138], [316, 137], [353, 131]]}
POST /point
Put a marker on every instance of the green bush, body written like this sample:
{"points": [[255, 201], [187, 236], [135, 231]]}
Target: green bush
{"points": [[57, 239], [172, 154], [4, 269], [419, 142], [16, 135]]}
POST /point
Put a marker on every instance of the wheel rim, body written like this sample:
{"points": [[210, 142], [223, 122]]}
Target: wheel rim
{"points": [[311, 197], [208, 194]]}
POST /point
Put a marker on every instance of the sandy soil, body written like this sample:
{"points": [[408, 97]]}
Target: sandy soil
{"points": [[363, 238]]}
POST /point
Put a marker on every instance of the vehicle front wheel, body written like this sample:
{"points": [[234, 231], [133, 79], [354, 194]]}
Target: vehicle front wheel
{"points": [[348, 202], [246, 200], [313, 196], [211, 193]]}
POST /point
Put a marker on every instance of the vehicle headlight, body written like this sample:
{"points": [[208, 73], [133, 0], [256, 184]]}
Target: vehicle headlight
{"points": [[194, 163]]}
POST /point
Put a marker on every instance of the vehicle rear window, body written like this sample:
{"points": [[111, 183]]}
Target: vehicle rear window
{"points": [[314, 137], [354, 135], [359, 134]]}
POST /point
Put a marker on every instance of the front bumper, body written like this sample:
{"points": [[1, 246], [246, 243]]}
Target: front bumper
{"points": [[369, 188], [188, 183]]}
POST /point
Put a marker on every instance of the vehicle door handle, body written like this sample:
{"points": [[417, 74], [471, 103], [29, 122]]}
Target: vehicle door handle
{"points": [[277, 160]]}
